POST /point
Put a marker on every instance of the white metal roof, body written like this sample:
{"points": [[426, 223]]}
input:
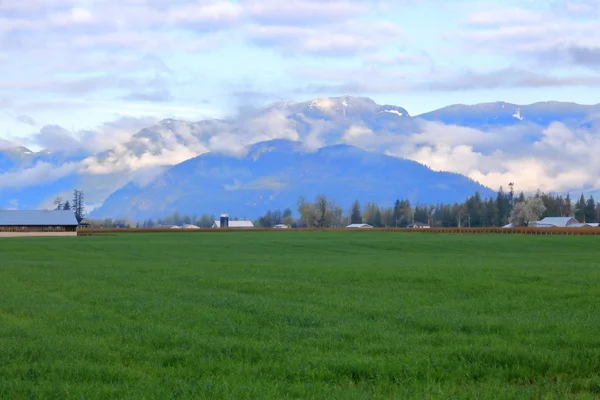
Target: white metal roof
{"points": [[235, 224], [190, 226], [37, 218], [359, 226], [558, 221]]}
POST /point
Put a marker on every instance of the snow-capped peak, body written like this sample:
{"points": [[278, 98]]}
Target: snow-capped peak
{"points": [[330, 103], [392, 111], [323, 103]]}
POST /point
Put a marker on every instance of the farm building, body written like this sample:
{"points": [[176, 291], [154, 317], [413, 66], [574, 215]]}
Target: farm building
{"points": [[558, 222], [37, 223], [281, 226], [418, 225], [359, 226], [190, 226], [235, 224]]}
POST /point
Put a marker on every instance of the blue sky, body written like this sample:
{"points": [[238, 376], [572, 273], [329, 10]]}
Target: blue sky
{"points": [[81, 63], [91, 73]]}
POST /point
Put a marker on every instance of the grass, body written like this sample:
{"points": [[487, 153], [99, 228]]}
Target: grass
{"points": [[306, 315]]}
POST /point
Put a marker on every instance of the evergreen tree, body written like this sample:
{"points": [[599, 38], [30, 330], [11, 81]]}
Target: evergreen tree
{"points": [[397, 212], [580, 209], [568, 206], [474, 209], [287, 213], [491, 214], [511, 197], [552, 205], [407, 213], [590, 210], [78, 205], [67, 205], [355, 216], [421, 214], [502, 207], [377, 222]]}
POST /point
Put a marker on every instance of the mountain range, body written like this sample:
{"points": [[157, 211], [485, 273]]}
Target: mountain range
{"points": [[345, 147], [273, 174]]}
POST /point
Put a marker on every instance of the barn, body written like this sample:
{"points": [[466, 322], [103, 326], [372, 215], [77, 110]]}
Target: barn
{"points": [[558, 222], [14, 223], [235, 224]]}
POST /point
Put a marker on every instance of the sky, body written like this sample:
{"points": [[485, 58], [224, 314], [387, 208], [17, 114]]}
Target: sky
{"points": [[92, 73], [80, 63]]}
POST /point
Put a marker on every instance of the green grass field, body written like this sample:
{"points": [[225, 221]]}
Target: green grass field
{"points": [[305, 315]]}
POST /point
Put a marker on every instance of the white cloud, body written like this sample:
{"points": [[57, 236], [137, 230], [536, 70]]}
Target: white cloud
{"points": [[302, 12], [355, 134], [549, 38], [6, 144], [342, 39], [552, 158], [41, 172]]}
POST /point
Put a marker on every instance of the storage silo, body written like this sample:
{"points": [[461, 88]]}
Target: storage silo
{"points": [[224, 221]]}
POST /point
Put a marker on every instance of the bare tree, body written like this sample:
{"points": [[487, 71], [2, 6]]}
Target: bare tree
{"points": [[321, 211], [58, 202], [305, 209]]}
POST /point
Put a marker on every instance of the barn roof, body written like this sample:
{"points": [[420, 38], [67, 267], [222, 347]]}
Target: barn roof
{"points": [[37, 218]]}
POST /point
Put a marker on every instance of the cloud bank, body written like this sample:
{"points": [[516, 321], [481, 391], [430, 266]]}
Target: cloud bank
{"points": [[555, 157]]}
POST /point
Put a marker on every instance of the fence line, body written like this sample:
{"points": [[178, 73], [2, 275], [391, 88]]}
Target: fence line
{"points": [[504, 231]]}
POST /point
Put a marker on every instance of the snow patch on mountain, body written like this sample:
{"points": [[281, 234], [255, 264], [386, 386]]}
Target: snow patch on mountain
{"points": [[518, 115], [392, 112]]}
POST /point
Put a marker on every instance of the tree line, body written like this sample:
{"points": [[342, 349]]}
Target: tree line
{"points": [[322, 212], [506, 207]]}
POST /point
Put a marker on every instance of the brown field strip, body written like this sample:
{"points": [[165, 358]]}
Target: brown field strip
{"points": [[505, 231]]}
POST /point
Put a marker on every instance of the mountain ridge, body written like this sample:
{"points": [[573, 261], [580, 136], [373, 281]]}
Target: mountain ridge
{"points": [[248, 186], [314, 123]]}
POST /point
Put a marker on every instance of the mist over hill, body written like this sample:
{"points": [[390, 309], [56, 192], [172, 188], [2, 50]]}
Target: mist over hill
{"points": [[548, 145], [274, 174]]}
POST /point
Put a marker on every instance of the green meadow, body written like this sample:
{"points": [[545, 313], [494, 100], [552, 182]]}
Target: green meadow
{"points": [[300, 315]]}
